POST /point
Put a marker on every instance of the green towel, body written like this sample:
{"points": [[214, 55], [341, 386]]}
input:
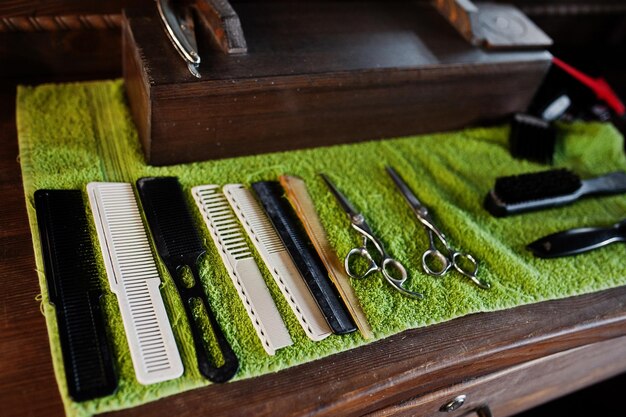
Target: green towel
{"points": [[72, 134]]}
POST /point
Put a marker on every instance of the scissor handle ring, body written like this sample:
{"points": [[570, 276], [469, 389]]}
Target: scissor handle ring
{"points": [[440, 258], [456, 256], [395, 282], [395, 265], [470, 274], [363, 253]]}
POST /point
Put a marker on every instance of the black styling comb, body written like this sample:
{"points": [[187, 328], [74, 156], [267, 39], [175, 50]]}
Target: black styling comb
{"points": [[74, 290], [556, 187], [304, 256], [179, 246]]}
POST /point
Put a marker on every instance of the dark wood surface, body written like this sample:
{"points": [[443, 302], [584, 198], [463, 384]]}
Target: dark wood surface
{"points": [[369, 379], [318, 74], [531, 383]]}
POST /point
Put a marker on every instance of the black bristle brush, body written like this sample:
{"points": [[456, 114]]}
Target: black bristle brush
{"points": [[532, 138], [556, 187]]}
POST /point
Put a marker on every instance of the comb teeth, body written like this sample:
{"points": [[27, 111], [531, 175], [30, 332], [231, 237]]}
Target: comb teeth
{"points": [[306, 260], [175, 226], [222, 221], [263, 230], [242, 268], [278, 261], [134, 278], [178, 244], [73, 284]]}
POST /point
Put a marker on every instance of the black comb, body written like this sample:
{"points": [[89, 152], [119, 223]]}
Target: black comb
{"points": [[73, 286], [304, 256], [179, 246]]}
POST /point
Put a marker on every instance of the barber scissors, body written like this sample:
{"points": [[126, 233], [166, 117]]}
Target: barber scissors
{"points": [[435, 261], [393, 271]]}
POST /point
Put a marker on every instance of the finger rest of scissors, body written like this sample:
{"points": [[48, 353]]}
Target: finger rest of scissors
{"points": [[404, 291], [466, 265], [391, 267], [363, 255]]}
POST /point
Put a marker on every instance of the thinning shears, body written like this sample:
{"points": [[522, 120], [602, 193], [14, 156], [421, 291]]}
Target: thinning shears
{"points": [[435, 261], [393, 271]]}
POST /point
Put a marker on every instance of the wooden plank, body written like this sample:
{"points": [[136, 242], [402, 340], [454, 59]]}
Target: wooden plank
{"points": [[319, 74], [520, 387]]}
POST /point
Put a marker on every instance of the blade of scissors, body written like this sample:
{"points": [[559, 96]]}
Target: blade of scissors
{"points": [[343, 201], [404, 188]]}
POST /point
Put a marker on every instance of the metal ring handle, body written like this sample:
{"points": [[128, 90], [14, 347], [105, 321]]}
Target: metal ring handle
{"points": [[390, 264], [434, 254], [395, 282], [362, 253], [471, 274]]}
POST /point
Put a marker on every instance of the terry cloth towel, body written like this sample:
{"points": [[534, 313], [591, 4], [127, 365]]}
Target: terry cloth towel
{"points": [[72, 134]]}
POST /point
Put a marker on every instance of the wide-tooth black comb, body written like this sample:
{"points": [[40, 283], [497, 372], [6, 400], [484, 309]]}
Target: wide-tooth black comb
{"points": [[179, 245], [304, 256], [74, 289]]}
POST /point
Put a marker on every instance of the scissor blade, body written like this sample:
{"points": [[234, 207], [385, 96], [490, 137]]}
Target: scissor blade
{"points": [[404, 188], [343, 201]]}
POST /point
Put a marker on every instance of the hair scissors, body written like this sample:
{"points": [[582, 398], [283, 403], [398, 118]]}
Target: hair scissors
{"points": [[435, 261], [393, 271]]}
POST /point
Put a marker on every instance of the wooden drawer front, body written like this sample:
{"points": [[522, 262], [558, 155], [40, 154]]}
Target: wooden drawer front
{"points": [[524, 386]]}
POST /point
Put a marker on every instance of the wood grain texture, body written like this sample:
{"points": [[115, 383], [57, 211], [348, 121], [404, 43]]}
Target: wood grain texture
{"points": [[319, 74], [67, 53], [10, 8], [59, 23], [27, 384], [519, 387]]}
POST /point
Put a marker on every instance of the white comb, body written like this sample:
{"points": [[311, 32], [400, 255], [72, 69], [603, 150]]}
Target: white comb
{"points": [[134, 279], [241, 267], [278, 261]]}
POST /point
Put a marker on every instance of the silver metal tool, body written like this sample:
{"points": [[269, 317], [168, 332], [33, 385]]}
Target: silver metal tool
{"points": [[435, 261], [393, 271], [180, 29]]}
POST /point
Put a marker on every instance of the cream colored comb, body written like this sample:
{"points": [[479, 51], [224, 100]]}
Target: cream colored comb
{"points": [[242, 268], [278, 261], [134, 279]]}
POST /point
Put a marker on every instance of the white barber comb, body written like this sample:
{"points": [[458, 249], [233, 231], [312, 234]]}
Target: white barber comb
{"points": [[134, 279], [242, 268], [278, 261]]}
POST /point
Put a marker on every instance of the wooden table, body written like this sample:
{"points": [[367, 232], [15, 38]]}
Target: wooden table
{"points": [[509, 360]]}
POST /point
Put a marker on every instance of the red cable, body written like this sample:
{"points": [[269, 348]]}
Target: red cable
{"points": [[599, 86]]}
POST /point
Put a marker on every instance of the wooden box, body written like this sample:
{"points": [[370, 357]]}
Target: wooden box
{"points": [[317, 73]]}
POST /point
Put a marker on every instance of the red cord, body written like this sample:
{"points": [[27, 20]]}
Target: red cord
{"points": [[599, 86]]}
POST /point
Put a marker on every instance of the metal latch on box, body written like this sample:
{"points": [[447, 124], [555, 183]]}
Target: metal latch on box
{"points": [[493, 26]]}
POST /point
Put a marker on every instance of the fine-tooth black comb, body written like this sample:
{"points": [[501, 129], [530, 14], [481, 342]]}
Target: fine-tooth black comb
{"points": [[305, 257], [74, 289], [179, 246], [556, 187]]}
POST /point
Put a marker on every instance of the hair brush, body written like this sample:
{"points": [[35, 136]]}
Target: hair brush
{"points": [[556, 187]]}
